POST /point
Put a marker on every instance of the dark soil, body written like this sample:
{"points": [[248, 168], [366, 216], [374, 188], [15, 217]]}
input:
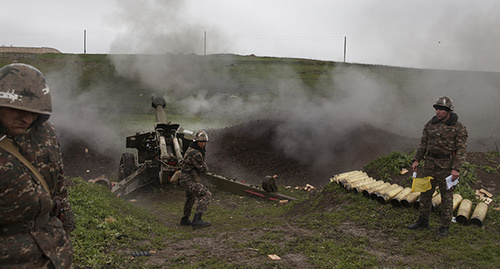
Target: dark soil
{"points": [[484, 179], [83, 159], [250, 152]]}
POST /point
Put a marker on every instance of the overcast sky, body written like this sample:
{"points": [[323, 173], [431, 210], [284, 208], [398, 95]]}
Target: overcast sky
{"points": [[447, 34]]}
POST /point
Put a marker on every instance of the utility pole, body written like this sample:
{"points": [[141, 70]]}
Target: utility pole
{"points": [[84, 42], [205, 44], [345, 41]]}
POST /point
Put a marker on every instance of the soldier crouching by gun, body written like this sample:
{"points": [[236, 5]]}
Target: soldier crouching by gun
{"points": [[192, 166], [35, 216]]}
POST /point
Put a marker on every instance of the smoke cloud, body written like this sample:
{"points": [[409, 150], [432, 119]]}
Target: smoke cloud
{"points": [[358, 96], [165, 41], [86, 116]]}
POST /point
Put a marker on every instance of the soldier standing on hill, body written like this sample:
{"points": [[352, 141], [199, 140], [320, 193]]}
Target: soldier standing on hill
{"points": [[35, 216], [192, 166], [443, 146]]}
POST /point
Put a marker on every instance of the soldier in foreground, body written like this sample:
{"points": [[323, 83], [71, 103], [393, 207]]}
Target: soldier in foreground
{"points": [[443, 146], [193, 165], [35, 216]]}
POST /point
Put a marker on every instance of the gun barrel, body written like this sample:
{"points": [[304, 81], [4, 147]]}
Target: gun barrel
{"points": [[161, 116], [164, 154], [159, 103], [177, 148]]}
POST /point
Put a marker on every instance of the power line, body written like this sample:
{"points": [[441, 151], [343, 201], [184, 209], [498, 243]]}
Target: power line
{"points": [[281, 37]]}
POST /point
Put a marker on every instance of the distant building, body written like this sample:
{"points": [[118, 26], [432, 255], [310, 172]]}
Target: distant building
{"points": [[41, 50]]}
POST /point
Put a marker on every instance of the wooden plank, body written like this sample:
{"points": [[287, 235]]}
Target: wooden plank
{"points": [[486, 193]]}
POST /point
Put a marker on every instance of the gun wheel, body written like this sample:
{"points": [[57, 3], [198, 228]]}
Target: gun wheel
{"points": [[127, 165]]}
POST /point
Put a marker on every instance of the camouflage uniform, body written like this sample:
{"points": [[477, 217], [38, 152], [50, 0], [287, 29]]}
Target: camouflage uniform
{"points": [[24, 200], [193, 165], [443, 146]]}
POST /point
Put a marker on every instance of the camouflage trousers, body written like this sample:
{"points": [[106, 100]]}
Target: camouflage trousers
{"points": [[194, 190], [439, 179]]}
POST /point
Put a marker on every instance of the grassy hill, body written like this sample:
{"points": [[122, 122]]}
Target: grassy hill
{"points": [[244, 76], [326, 228]]}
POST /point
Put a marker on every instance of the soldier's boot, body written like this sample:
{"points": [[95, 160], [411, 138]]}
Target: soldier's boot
{"points": [[443, 231], [420, 224], [186, 222], [198, 223]]}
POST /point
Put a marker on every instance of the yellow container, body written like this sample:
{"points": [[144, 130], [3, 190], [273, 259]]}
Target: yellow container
{"points": [[410, 199], [338, 177], [386, 197], [352, 185], [479, 214], [368, 192], [457, 199], [463, 212], [436, 201], [367, 186]]}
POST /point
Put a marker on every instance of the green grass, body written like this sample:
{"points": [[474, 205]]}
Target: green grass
{"points": [[329, 229], [384, 230], [106, 224], [387, 166]]}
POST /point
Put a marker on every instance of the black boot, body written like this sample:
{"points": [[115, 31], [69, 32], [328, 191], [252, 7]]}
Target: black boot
{"points": [[198, 223], [420, 224], [443, 231], [186, 222]]}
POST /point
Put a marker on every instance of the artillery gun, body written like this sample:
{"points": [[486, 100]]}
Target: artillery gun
{"points": [[159, 153], [159, 156]]}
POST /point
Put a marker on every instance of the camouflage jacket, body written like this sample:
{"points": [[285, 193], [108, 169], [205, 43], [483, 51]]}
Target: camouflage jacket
{"points": [[447, 138], [23, 199], [194, 161]]}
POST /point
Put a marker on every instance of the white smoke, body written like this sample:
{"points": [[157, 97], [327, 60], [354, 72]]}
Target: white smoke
{"points": [[89, 116], [160, 45]]}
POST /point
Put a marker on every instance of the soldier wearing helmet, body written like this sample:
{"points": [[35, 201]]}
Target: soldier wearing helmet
{"points": [[192, 166], [443, 146], [35, 216]]}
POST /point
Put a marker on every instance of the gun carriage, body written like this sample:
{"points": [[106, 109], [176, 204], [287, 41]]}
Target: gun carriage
{"points": [[159, 155]]}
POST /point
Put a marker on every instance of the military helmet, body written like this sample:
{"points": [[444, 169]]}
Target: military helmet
{"points": [[444, 102], [23, 87], [201, 136]]}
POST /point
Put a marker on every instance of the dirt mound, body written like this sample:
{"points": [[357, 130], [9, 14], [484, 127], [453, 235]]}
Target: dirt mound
{"points": [[252, 150], [83, 159], [487, 178]]}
